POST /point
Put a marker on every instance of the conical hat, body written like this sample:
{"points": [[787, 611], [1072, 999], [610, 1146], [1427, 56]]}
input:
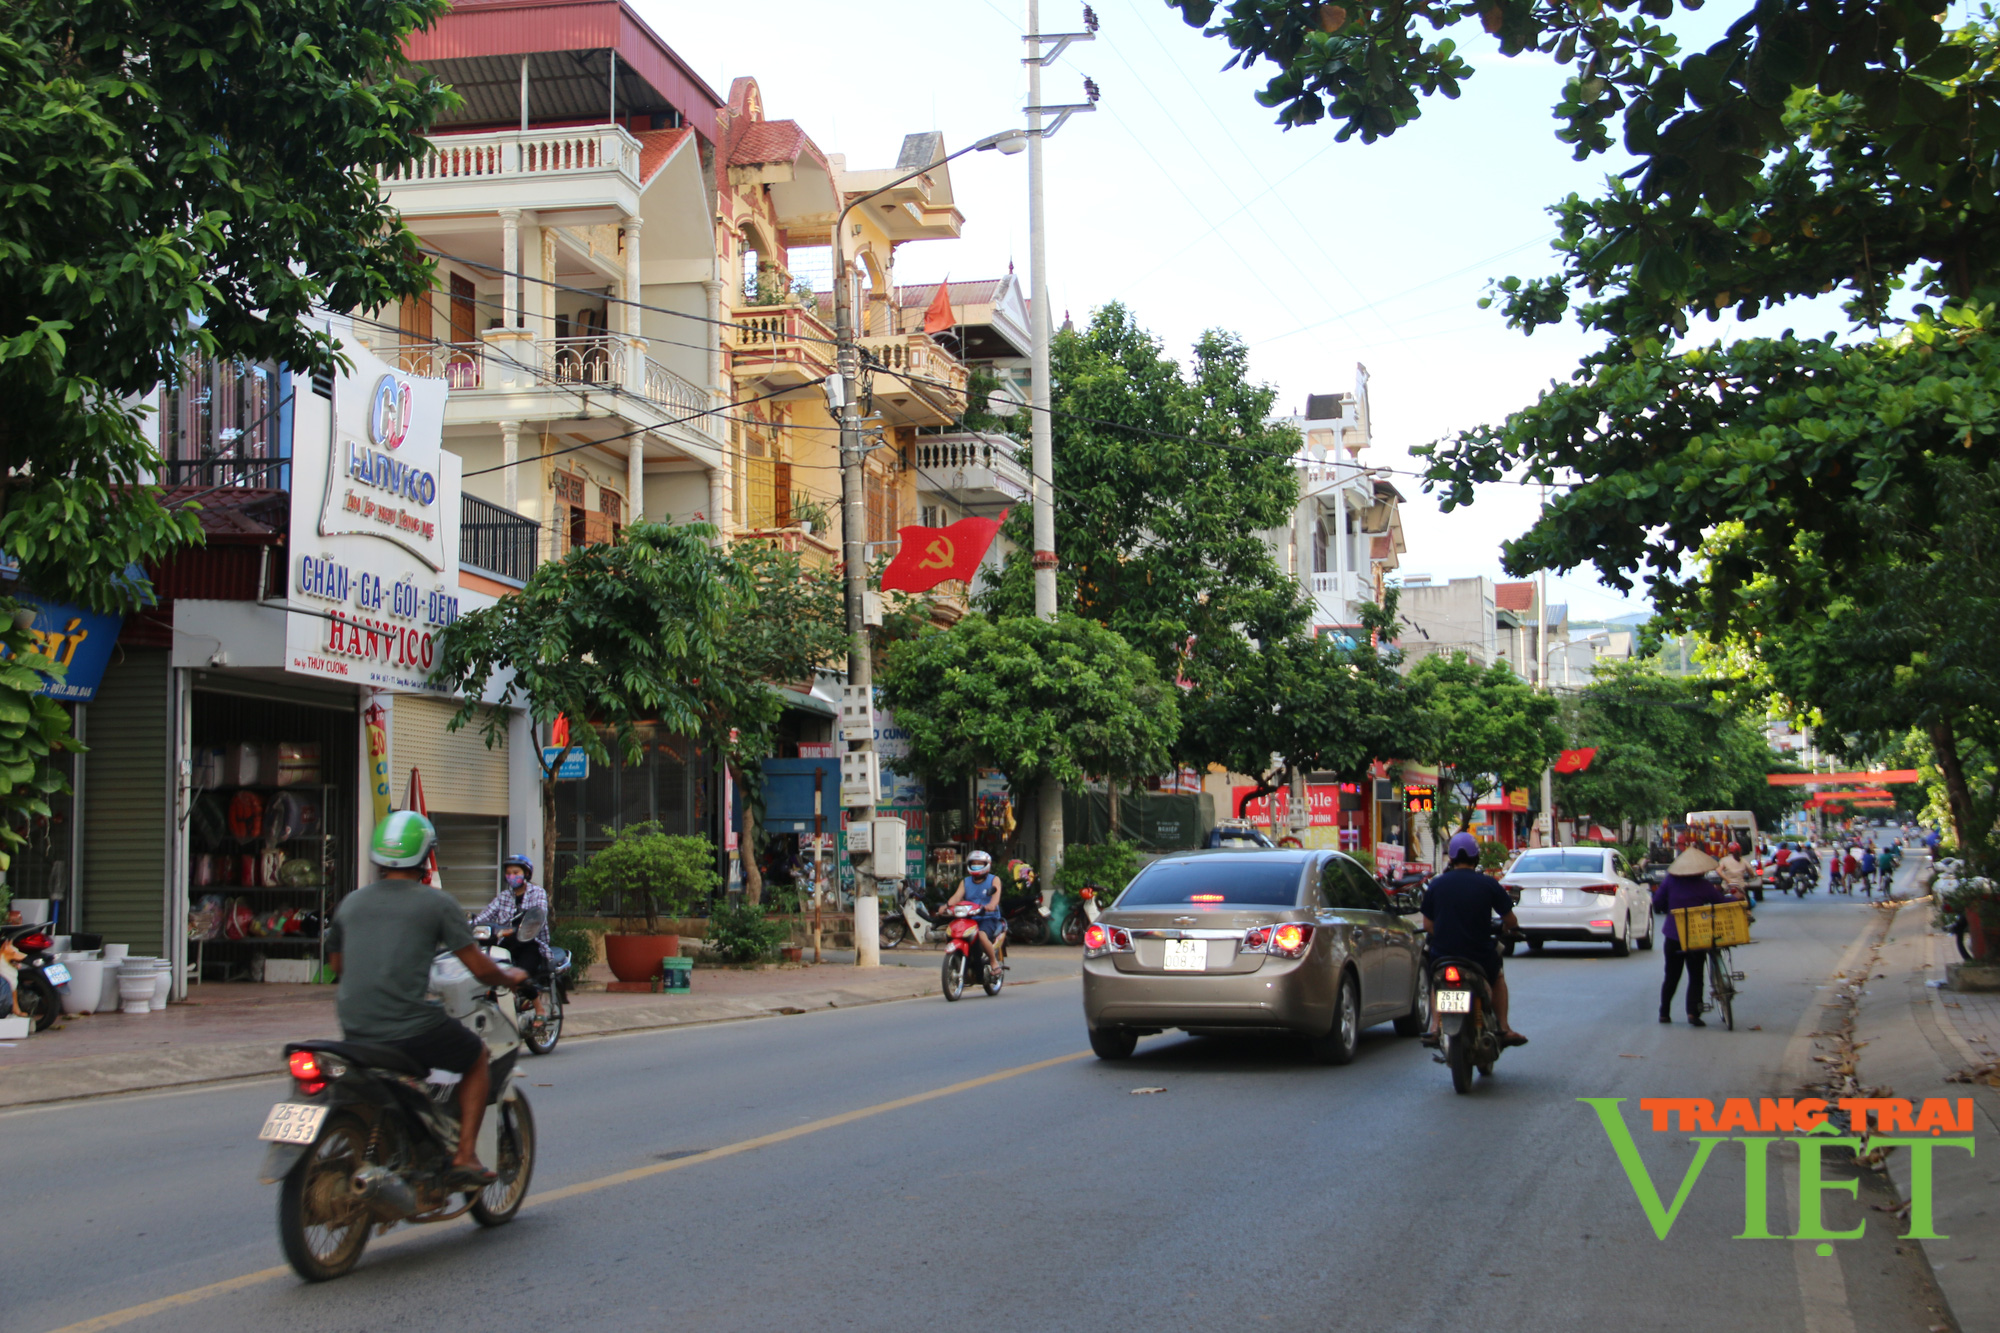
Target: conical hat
{"points": [[1693, 861]]}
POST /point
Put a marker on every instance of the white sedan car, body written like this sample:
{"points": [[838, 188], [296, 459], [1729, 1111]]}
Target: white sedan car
{"points": [[1579, 893]]}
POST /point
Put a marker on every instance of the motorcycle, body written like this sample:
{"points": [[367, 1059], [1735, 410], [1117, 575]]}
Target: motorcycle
{"points": [[366, 1138], [1797, 876], [1028, 919], [38, 978], [1077, 922], [1469, 1034], [539, 1031], [964, 959], [910, 920]]}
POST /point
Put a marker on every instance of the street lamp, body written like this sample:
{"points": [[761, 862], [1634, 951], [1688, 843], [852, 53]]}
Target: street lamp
{"points": [[842, 395]]}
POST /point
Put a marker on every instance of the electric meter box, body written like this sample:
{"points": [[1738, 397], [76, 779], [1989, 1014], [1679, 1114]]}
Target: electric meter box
{"points": [[892, 838], [860, 779]]}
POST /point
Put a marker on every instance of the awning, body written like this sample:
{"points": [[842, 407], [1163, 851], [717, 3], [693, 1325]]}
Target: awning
{"points": [[810, 703]]}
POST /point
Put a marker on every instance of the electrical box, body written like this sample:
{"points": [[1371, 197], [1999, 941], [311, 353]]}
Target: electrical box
{"points": [[857, 713], [891, 844], [860, 838], [860, 779], [871, 609]]}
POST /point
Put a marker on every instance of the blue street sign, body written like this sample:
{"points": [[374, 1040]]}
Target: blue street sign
{"points": [[575, 765]]}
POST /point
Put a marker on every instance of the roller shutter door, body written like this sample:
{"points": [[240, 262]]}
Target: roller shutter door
{"points": [[460, 775], [125, 783]]}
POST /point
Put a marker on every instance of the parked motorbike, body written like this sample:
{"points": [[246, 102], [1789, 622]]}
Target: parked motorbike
{"points": [[366, 1138], [39, 980], [1028, 918], [964, 960], [1077, 922], [539, 1031], [909, 920], [1469, 1034]]}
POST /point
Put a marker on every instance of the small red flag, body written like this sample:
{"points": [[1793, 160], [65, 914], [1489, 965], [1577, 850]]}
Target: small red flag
{"points": [[1575, 761], [939, 317], [929, 556]]}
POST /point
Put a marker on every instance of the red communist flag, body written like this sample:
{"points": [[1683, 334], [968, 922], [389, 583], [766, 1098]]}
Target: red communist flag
{"points": [[1575, 761], [939, 317], [929, 556]]}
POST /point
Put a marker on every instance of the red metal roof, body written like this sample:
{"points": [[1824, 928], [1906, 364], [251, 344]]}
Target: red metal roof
{"points": [[1514, 596], [476, 28]]}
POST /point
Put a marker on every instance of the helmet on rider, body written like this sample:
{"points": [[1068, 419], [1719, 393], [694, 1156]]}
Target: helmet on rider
{"points": [[521, 863], [402, 839], [1462, 847], [979, 863]]}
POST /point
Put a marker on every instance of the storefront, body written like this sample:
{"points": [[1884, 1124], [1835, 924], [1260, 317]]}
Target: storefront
{"points": [[1340, 814], [273, 702]]}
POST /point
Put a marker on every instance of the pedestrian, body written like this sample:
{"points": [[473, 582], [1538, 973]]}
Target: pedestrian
{"points": [[1685, 885]]}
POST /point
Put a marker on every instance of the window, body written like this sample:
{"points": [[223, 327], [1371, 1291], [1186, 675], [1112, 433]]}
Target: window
{"points": [[1260, 880], [1350, 888], [1553, 862], [220, 423], [879, 491], [936, 516]]}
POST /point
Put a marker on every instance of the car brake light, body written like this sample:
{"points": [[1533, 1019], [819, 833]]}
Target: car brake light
{"points": [[306, 1069], [38, 940], [1096, 938], [1452, 976], [1121, 940], [1601, 925], [1257, 940], [1598, 888], [1204, 897], [1292, 939]]}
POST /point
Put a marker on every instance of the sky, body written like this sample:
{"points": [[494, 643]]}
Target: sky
{"points": [[1181, 198]]}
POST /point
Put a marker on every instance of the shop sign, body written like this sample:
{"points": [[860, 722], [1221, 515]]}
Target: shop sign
{"points": [[374, 531], [76, 639], [575, 766], [1419, 796], [900, 791], [1324, 802]]}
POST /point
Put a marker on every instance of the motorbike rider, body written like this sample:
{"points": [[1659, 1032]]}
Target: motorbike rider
{"points": [[519, 915], [381, 943], [1732, 870], [1458, 908], [981, 888]]}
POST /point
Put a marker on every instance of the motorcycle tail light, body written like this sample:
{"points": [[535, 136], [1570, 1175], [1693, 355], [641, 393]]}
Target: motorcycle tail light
{"points": [[38, 940], [305, 1068], [1257, 940], [1452, 976], [1291, 940]]}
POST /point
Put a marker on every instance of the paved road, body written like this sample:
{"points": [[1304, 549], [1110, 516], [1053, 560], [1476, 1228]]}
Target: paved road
{"points": [[1257, 1191]]}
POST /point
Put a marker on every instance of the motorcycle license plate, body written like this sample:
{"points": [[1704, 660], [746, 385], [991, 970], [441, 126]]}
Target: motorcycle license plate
{"points": [[1454, 1001], [292, 1122], [1187, 956], [57, 974]]}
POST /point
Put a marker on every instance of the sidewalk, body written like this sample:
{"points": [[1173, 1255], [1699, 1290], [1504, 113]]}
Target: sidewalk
{"points": [[1912, 1038], [237, 1031]]}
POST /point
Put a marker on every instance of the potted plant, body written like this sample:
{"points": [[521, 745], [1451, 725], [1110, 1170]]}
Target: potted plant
{"points": [[667, 874], [1977, 900]]}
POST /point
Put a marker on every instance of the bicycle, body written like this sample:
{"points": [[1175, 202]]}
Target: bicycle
{"points": [[1722, 979]]}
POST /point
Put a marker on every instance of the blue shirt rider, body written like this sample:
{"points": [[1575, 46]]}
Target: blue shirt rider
{"points": [[981, 888]]}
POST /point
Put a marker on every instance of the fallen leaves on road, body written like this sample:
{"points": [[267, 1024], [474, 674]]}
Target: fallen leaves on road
{"points": [[1756, 1027], [1987, 1074], [1141, 1092], [1623, 1056]]}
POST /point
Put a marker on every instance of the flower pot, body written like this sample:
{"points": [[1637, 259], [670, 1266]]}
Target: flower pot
{"points": [[135, 988], [86, 986], [637, 957], [1982, 921]]}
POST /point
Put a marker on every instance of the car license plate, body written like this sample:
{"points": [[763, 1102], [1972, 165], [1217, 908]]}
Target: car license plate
{"points": [[1187, 955], [57, 974], [292, 1122], [1551, 896], [1454, 1001]]}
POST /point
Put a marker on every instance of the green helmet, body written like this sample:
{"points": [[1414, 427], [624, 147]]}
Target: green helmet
{"points": [[402, 840]]}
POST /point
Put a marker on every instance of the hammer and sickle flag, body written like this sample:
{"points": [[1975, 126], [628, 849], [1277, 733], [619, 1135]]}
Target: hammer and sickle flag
{"points": [[929, 556]]}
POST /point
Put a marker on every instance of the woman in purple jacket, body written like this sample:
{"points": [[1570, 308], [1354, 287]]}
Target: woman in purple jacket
{"points": [[1684, 886]]}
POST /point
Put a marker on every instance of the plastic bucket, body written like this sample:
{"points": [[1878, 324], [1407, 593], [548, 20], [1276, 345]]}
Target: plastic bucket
{"points": [[115, 953], [163, 982], [34, 911], [135, 988]]}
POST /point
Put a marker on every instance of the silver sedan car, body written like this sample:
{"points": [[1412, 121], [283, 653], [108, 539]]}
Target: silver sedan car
{"points": [[1579, 893], [1302, 941]]}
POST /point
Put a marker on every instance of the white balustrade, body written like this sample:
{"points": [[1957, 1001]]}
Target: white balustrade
{"points": [[513, 153]]}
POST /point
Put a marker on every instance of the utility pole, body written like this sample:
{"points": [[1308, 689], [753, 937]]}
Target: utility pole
{"points": [[857, 708], [1542, 682], [1049, 813]]}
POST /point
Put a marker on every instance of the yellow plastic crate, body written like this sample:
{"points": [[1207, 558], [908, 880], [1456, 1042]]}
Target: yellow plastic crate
{"points": [[1721, 926]]}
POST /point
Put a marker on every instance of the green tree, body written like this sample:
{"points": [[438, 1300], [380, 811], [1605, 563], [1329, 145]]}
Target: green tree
{"points": [[1042, 701], [668, 874], [1158, 531], [1303, 704], [1489, 731], [173, 179], [610, 636]]}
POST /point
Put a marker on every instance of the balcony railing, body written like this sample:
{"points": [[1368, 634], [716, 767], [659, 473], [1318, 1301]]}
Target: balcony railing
{"points": [[458, 367], [670, 390], [226, 470], [500, 154], [783, 343], [597, 361], [925, 383], [976, 470], [496, 542]]}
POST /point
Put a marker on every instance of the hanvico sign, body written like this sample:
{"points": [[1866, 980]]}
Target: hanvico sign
{"points": [[374, 565]]}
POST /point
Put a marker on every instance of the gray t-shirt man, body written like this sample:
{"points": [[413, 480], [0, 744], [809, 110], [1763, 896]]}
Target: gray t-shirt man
{"points": [[387, 933]]}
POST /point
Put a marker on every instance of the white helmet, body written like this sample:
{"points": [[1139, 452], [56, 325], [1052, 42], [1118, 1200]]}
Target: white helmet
{"points": [[979, 863]]}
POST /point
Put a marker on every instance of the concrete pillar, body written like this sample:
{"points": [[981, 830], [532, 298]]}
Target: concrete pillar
{"points": [[635, 479], [510, 457], [510, 262], [635, 374], [548, 325], [713, 287], [719, 512]]}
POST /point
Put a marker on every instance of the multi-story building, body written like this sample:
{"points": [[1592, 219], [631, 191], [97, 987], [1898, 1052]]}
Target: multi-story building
{"points": [[1346, 533], [1453, 616]]}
